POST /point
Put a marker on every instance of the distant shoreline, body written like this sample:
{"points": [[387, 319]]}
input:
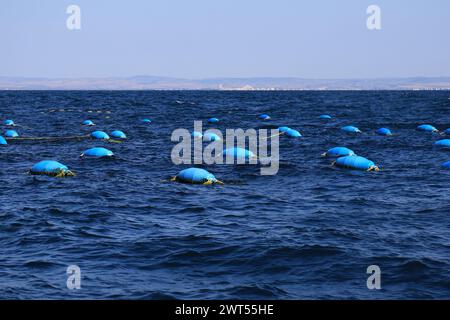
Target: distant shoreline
{"points": [[217, 90], [154, 83]]}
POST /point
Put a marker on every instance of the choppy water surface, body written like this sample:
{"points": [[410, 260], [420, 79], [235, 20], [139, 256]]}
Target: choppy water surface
{"points": [[308, 232]]}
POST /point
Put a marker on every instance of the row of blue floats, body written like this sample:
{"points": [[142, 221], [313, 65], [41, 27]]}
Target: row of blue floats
{"points": [[96, 135], [444, 143], [57, 169], [345, 158]]}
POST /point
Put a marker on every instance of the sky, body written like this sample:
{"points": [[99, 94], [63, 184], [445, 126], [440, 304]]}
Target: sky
{"points": [[325, 39]]}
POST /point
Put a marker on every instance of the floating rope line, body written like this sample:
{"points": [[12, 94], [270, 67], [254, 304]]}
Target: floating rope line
{"points": [[48, 138], [59, 139]]}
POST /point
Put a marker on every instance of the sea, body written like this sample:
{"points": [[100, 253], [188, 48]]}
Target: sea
{"points": [[311, 231]]}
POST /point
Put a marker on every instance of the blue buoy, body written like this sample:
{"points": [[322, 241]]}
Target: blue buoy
{"points": [[97, 153], [357, 163], [427, 128], [11, 134], [146, 120], [3, 141], [8, 122], [264, 116], [100, 135], [211, 137], [239, 153], [51, 168], [283, 129], [119, 134], [443, 143], [384, 132], [447, 131], [446, 165], [197, 134], [88, 123], [351, 129], [196, 176], [213, 120], [325, 117], [292, 133], [337, 152]]}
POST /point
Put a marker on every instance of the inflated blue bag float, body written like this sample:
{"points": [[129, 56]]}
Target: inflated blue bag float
{"points": [[292, 133], [443, 143], [283, 129], [211, 137], [197, 134], [88, 123], [8, 122], [264, 116], [97, 153], [427, 128], [447, 131], [213, 120], [325, 117], [11, 134], [3, 141], [384, 132], [119, 134], [100, 135], [239, 153], [51, 168], [446, 165], [196, 176], [351, 129], [357, 163], [337, 152]]}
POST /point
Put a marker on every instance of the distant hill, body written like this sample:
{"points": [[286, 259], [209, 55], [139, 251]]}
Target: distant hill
{"points": [[167, 83]]}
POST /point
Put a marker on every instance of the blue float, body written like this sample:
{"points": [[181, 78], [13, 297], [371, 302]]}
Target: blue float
{"points": [[447, 131], [357, 163], [292, 133], [97, 153], [427, 128], [3, 141], [213, 120], [325, 117], [119, 134], [100, 135], [337, 152], [446, 165], [88, 123], [239, 153], [197, 134], [351, 129], [11, 134], [146, 120], [283, 129], [445, 143], [384, 132], [8, 123], [211, 137], [196, 176], [51, 168], [264, 116]]}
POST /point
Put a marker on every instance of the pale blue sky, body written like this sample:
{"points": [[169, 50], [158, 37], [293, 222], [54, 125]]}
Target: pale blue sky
{"points": [[225, 38]]}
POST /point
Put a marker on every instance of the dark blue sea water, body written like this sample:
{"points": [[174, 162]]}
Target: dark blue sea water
{"points": [[308, 232]]}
